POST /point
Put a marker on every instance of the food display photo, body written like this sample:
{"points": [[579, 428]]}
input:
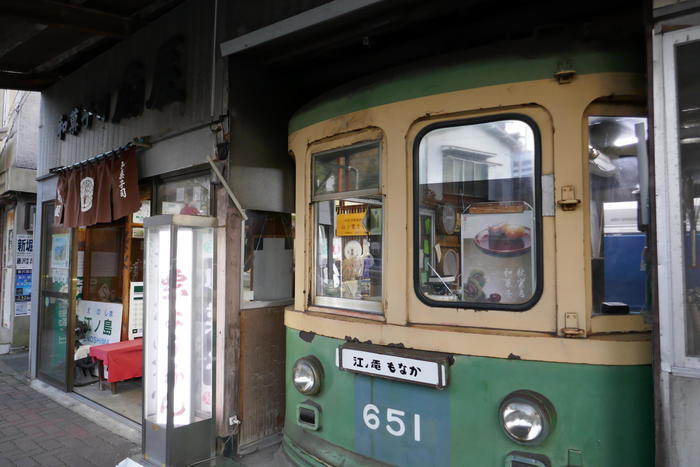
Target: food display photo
{"points": [[497, 260]]}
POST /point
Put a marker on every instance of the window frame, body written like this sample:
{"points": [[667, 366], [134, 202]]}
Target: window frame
{"points": [[537, 177], [363, 307]]}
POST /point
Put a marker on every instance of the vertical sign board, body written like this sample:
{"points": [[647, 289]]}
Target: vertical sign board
{"points": [[23, 274]]}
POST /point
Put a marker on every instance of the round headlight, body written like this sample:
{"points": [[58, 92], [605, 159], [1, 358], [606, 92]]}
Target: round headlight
{"points": [[307, 375], [526, 416]]}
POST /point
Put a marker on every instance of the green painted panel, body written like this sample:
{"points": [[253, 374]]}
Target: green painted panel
{"points": [[604, 413], [475, 73]]}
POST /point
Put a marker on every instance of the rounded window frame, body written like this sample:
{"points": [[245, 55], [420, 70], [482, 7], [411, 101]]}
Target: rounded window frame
{"points": [[539, 260]]}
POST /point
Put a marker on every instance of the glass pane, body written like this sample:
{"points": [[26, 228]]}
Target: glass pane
{"points": [[351, 169], [349, 250], [476, 222], [617, 150], [53, 338], [688, 77], [268, 266], [156, 308], [185, 196], [193, 310], [103, 263], [53, 310]]}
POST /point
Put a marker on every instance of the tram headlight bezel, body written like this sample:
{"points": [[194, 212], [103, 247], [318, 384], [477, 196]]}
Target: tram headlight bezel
{"points": [[307, 375], [526, 408]]}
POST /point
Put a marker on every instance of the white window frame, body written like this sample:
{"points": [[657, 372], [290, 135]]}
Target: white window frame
{"points": [[669, 220]]}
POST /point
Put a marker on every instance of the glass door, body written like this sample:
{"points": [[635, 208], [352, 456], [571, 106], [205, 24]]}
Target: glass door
{"points": [[55, 318]]}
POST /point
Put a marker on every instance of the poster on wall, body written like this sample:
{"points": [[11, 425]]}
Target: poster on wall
{"points": [[23, 285], [24, 251], [59, 251], [104, 321]]}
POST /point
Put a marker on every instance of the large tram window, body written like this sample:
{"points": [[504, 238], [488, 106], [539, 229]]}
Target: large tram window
{"points": [[688, 95], [616, 156], [476, 215], [348, 212]]}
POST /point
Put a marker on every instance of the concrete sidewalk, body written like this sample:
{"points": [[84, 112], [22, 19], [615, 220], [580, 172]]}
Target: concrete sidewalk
{"points": [[35, 430]]}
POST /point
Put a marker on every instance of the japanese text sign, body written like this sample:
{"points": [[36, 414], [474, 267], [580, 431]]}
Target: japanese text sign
{"points": [[25, 251], [350, 224], [103, 319], [393, 366]]}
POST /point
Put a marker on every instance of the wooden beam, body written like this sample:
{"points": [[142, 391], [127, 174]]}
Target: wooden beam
{"points": [[66, 15], [25, 81]]}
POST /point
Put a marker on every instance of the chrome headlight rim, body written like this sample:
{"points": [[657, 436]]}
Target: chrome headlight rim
{"points": [[314, 364], [542, 406]]}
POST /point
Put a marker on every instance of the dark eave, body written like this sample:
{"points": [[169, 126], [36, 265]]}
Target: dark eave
{"points": [[42, 41]]}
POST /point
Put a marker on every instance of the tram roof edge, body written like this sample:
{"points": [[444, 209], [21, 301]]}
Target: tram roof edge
{"points": [[447, 74]]}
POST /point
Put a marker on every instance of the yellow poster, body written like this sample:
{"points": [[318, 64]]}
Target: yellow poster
{"points": [[350, 225]]}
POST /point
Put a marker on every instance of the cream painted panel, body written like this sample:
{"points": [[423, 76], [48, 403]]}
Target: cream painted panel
{"points": [[564, 103], [622, 350]]}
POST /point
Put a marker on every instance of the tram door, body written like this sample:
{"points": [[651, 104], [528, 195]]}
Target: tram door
{"points": [[677, 160]]}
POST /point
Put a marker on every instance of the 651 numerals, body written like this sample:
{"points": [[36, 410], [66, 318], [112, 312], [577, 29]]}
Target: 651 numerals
{"points": [[395, 424]]}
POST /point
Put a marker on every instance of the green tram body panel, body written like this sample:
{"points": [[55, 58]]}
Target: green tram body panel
{"points": [[603, 413]]}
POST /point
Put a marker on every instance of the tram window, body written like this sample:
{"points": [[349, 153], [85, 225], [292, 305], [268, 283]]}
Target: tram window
{"points": [[688, 104], [348, 209], [476, 222], [616, 156]]}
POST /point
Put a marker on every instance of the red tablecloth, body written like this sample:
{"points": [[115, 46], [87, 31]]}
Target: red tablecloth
{"points": [[123, 359]]}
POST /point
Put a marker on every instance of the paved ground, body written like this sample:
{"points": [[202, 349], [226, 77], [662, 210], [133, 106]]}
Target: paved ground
{"points": [[35, 430]]}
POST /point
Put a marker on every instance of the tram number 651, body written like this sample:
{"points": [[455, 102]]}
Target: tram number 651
{"points": [[395, 424]]}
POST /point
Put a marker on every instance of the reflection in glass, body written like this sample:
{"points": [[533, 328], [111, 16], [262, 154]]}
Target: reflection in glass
{"points": [[185, 196], [349, 216], [476, 222], [688, 77], [54, 299], [349, 246], [616, 155]]}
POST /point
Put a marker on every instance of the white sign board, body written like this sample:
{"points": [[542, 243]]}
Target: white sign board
{"points": [[103, 319], [25, 251], [391, 366]]}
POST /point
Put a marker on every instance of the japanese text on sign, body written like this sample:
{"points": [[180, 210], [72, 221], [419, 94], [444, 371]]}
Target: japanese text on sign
{"points": [[25, 251], [391, 366], [104, 321]]}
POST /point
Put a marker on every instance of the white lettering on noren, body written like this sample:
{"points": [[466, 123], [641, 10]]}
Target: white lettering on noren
{"points": [[122, 180], [87, 189]]}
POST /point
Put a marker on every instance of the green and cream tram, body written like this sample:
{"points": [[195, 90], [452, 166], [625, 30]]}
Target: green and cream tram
{"points": [[471, 284]]}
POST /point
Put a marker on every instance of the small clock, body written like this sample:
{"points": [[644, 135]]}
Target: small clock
{"points": [[352, 249], [448, 219]]}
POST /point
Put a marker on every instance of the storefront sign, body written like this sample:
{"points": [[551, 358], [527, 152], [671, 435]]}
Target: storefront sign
{"points": [[104, 321], [168, 86], [350, 224]]}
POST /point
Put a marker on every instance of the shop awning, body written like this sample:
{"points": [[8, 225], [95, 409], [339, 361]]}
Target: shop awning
{"points": [[101, 189]]}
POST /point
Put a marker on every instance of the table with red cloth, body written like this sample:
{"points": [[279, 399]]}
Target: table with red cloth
{"points": [[122, 360]]}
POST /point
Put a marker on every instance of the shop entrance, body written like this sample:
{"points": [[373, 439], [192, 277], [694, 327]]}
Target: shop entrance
{"points": [[91, 313], [109, 313]]}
